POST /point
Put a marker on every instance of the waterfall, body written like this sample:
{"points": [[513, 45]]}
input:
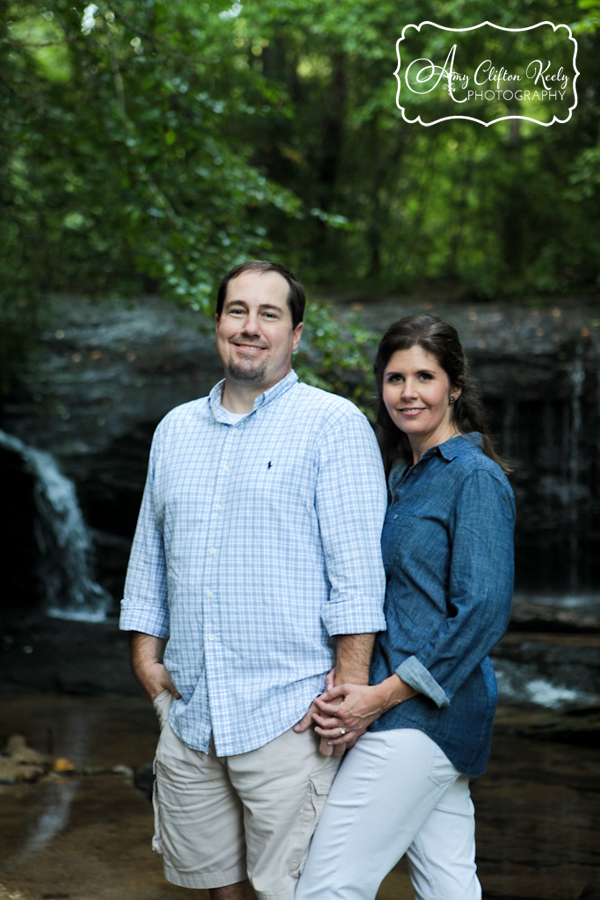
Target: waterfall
{"points": [[577, 378], [508, 422], [62, 538]]}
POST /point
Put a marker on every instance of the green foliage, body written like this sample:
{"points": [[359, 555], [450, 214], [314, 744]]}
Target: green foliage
{"points": [[149, 145], [337, 358], [493, 210], [116, 164], [591, 19]]}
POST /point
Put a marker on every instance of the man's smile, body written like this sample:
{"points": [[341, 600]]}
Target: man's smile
{"points": [[245, 346]]}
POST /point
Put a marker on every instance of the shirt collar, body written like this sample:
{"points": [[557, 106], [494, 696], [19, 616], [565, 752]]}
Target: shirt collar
{"points": [[456, 446], [216, 395]]}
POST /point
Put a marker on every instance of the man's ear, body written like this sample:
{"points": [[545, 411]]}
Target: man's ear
{"points": [[296, 336]]}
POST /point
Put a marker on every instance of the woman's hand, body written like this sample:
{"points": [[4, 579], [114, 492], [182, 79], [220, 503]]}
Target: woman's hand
{"points": [[344, 722], [308, 719]]}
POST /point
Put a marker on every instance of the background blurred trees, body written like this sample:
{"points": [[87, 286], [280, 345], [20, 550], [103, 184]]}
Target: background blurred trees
{"points": [[153, 143], [147, 145]]}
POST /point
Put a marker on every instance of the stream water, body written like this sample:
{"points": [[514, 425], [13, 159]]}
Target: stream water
{"points": [[87, 836]]}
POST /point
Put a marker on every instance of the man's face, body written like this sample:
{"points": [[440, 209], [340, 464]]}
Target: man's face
{"points": [[255, 338]]}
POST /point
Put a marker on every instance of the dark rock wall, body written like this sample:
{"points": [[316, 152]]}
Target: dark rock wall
{"points": [[106, 373], [102, 378], [18, 548]]}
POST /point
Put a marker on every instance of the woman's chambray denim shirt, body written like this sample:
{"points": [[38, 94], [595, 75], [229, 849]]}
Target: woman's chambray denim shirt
{"points": [[448, 553]]}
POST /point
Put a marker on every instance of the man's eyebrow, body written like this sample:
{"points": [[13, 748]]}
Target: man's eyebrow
{"points": [[262, 306]]}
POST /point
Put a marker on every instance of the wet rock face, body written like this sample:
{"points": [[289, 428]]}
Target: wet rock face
{"points": [[102, 370], [106, 373], [65, 656], [103, 377]]}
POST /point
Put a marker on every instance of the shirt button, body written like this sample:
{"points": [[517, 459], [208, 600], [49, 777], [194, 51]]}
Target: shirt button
{"points": [[235, 430], [212, 551], [209, 594], [218, 507], [396, 516], [211, 637], [226, 468]]}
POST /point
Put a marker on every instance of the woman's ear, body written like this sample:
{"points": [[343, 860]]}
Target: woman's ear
{"points": [[455, 393]]}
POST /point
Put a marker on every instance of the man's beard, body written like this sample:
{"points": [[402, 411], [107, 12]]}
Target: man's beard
{"points": [[246, 374]]}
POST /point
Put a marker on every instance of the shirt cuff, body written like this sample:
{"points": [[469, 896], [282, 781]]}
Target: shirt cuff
{"points": [[147, 619], [414, 673], [343, 617]]}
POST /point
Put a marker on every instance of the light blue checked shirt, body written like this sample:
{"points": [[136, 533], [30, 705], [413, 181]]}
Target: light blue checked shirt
{"points": [[256, 544]]}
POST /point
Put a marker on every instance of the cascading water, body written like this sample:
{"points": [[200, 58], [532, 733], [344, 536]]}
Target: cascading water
{"points": [[62, 538], [577, 379], [508, 421]]}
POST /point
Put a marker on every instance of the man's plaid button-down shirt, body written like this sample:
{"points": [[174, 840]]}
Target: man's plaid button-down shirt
{"points": [[256, 544]]}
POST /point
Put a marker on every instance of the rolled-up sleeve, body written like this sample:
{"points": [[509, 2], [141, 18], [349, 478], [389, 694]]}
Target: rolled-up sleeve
{"points": [[350, 501], [480, 589], [144, 606]]}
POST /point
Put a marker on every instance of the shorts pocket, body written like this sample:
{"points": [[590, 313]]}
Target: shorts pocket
{"points": [[162, 705], [317, 789], [156, 840]]}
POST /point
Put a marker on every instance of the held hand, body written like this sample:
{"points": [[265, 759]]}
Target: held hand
{"points": [[346, 712], [328, 747], [308, 720], [353, 707]]}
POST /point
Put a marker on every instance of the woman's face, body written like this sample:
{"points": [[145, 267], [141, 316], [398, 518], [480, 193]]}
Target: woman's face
{"points": [[416, 393]]}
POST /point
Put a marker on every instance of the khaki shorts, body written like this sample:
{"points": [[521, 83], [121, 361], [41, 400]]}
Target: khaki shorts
{"points": [[220, 820]]}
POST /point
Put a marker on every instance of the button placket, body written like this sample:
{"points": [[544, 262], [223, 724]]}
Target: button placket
{"points": [[214, 535]]}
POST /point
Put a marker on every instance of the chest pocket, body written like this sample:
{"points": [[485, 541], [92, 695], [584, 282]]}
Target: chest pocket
{"points": [[279, 482], [398, 518]]}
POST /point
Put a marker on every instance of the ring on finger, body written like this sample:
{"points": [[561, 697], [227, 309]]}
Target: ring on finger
{"points": [[342, 731]]}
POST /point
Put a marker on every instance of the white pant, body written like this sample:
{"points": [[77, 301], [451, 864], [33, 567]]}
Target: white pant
{"points": [[395, 793]]}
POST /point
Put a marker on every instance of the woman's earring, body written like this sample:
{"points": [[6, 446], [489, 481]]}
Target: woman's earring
{"points": [[452, 401]]}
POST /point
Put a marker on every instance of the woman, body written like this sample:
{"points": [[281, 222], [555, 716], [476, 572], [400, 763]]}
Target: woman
{"points": [[448, 550]]}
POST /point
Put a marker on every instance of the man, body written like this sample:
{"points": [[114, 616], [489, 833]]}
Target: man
{"points": [[257, 557]]}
